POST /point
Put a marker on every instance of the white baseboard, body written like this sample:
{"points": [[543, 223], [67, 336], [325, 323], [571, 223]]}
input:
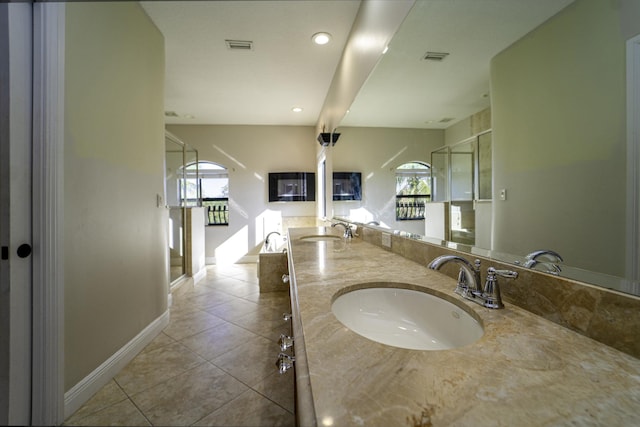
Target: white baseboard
{"points": [[92, 383], [202, 274]]}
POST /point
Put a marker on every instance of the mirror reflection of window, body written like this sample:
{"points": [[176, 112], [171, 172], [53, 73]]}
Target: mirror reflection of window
{"points": [[413, 190]]}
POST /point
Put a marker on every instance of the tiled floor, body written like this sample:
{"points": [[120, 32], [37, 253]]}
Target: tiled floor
{"points": [[214, 365]]}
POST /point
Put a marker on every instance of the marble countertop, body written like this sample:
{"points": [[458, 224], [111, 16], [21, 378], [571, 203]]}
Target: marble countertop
{"points": [[525, 370]]}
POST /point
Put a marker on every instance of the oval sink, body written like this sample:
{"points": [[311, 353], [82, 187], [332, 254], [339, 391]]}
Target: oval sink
{"points": [[406, 318], [320, 237]]}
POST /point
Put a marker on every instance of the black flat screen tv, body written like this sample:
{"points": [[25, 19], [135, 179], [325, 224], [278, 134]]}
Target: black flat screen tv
{"points": [[292, 187], [347, 186]]}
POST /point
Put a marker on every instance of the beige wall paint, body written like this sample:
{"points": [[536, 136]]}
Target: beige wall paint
{"points": [[559, 132], [115, 235], [250, 153], [458, 132], [376, 153]]}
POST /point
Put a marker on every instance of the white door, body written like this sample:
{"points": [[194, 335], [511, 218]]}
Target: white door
{"points": [[15, 212]]}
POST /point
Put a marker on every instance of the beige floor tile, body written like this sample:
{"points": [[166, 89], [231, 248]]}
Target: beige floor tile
{"points": [[120, 414], [189, 289], [233, 309], [185, 399], [209, 300], [280, 389], [105, 397], [150, 368], [160, 341], [237, 288], [278, 300], [264, 322], [218, 340], [186, 324], [249, 410], [251, 362]]}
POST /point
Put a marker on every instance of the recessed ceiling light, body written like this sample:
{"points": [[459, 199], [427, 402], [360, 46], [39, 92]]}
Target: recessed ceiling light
{"points": [[321, 38], [297, 109]]}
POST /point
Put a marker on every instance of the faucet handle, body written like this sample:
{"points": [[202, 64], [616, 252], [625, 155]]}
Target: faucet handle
{"points": [[505, 273], [491, 294]]}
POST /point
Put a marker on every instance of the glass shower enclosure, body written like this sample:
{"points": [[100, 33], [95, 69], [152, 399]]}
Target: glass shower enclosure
{"points": [[178, 195]]}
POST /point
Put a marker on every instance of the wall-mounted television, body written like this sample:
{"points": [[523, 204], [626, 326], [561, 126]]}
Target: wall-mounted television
{"points": [[347, 186], [292, 186]]}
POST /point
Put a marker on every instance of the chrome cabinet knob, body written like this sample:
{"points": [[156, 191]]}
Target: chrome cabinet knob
{"points": [[284, 362], [285, 342], [287, 316], [285, 278]]}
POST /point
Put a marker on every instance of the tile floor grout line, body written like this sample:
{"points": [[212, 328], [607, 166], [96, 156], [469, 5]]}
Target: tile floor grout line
{"points": [[168, 377], [249, 387]]}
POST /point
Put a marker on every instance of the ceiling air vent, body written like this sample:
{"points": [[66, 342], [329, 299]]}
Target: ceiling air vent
{"points": [[435, 56], [170, 114], [446, 120], [239, 44]]}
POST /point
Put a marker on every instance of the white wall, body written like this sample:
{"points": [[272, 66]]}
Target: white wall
{"points": [[250, 153], [559, 138], [114, 234]]}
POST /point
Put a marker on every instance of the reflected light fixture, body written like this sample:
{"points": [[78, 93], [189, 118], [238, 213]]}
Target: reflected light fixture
{"points": [[297, 109], [321, 38]]}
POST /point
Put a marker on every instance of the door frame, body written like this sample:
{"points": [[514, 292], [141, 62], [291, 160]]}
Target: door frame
{"points": [[48, 226], [633, 159]]}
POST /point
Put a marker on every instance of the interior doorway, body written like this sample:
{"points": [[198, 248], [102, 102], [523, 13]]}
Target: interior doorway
{"points": [[633, 159]]}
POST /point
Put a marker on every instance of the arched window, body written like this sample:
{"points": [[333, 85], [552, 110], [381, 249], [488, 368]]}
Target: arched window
{"points": [[207, 184], [413, 190]]}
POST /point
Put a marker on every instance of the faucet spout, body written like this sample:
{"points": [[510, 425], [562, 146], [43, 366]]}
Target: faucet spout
{"points": [[469, 276], [554, 257], [348, 234], [266, 240]]}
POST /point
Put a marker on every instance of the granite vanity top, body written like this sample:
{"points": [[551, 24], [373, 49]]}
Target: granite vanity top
{"points": [[525, 370]]}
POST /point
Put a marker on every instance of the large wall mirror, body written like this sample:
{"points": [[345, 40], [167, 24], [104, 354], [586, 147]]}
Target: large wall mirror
{"points": [[558, 98]]}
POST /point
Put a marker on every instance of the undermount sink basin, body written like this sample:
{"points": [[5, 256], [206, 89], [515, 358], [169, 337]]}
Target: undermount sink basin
{"points": [[406, 318], [320, 237]]}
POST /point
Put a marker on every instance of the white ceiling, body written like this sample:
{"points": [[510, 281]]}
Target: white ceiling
{"points": [[261, 86], [218, 86]]}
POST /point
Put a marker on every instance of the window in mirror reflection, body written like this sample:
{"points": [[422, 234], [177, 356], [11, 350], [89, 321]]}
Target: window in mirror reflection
{"points": [[413, 190]]}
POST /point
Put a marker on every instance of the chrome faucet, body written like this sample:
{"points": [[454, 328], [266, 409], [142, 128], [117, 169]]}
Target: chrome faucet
{"points": [[468, 277], [469, 280], [348, 234], [552, 266], [266, 240]]}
